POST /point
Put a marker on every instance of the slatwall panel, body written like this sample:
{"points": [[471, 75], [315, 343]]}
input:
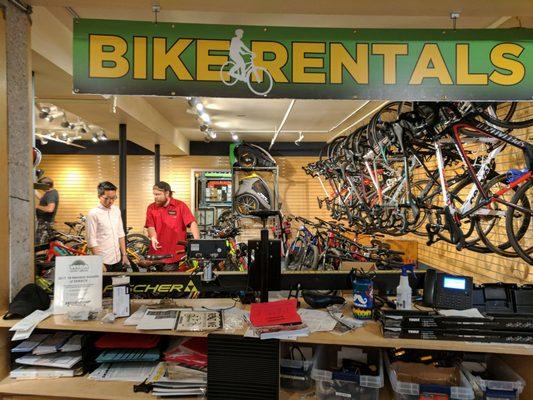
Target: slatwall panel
{"points": [[484, 267], [76, 178]]}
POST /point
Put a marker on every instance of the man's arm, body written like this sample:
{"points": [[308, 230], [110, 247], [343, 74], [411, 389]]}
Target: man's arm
{"points": [[122, 243], [47, 208], [195, 230], [90, 228], [153, 238]]}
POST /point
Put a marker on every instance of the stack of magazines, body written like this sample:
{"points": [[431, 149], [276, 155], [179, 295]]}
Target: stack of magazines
{"points": [[173, 380], [56, 355]]}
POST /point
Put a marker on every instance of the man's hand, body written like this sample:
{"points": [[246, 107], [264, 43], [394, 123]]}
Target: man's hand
{"points": [[125, 260], [155, 243]]}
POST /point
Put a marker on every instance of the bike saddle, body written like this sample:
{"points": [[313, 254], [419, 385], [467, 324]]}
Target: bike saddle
{"points": [[317, 300], [157, 257]]}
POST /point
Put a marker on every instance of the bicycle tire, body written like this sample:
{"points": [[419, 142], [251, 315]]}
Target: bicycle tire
{"points": [[266, 77], [490, 235], [310, 258], [222, 76], [507, 124], [293, 257], [521, 195]]}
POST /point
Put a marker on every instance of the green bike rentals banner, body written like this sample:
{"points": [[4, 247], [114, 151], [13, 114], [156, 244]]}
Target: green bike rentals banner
{"points": [[144, 58]]}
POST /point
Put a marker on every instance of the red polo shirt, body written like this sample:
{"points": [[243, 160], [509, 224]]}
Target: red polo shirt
{"points": [[170, 223]]}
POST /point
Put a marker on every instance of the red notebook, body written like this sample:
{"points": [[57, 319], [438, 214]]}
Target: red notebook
{"points": [[275, 313], [127, 341]]}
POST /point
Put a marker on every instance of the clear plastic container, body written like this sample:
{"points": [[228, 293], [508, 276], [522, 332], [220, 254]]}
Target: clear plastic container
{"points": [[296, 374], [506, 384], [331, 385], [412, 391]]}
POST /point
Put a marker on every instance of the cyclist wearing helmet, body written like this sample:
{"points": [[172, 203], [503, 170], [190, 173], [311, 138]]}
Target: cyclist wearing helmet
{"points": [[236, 50]]}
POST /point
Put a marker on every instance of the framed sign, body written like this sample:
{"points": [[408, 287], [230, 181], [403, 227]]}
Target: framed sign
{"points": [[77, 284], [170, 59]]}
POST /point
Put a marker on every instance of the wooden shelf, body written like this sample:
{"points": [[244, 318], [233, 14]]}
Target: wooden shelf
{"points": [[61, 322], [367, 336], [73, 388]]}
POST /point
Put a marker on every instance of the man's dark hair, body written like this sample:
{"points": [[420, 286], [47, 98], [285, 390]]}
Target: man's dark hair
{"points": [[47, 181], [105, 185], [163, 186]]}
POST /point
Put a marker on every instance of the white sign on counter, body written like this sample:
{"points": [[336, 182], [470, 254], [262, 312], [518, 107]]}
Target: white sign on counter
{"points": [[77, 284]]}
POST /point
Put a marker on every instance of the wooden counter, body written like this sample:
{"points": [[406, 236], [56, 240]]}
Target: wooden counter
{"points": [[369, 335]]}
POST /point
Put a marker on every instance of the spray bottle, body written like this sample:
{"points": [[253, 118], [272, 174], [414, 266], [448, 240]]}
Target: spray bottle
{"points": [[404, 292]]}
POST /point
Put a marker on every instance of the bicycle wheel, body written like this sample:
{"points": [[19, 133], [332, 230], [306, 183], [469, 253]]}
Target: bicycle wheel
{"points": [[259, 88], [518, 222], [225, 77], [490, 220], [295, 254], [508, 120], [310, 258], [246, 203]]}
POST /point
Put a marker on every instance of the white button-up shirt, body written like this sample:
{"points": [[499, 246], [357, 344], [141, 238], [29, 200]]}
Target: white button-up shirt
{"points": [[104, 229]]}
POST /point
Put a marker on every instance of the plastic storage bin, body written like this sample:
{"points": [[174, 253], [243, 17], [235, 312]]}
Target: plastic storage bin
{"points": [[330, 385], [500, 382], [296, 374], [412, 391]]}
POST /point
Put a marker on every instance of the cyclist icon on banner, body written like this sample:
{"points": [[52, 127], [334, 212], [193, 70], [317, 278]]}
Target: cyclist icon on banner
{"points": [[258, 79]]}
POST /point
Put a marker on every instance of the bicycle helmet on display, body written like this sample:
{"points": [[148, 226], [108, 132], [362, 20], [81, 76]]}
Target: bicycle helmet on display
{"points": [[250, 155]]}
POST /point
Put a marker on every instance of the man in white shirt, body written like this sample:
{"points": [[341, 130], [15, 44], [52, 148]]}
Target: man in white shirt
{"points": [[105, 231]]}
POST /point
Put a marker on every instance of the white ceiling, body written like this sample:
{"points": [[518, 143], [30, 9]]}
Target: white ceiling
{"points": [[253, 119]]}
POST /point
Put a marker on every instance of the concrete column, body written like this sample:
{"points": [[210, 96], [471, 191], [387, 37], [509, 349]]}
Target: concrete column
{"points": [[19, 142]]}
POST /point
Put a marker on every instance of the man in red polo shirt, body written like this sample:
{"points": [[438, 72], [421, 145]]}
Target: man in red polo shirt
{"points": [[167, 220]]}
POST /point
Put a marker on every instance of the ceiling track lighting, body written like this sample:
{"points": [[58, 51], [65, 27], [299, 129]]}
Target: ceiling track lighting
{"points": [[234, 137]]}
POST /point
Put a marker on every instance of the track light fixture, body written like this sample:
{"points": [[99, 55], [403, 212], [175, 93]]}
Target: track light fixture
{"points": [[234, 137]]}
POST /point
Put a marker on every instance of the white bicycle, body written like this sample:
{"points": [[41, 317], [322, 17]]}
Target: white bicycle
{"points": [[260, 87]]}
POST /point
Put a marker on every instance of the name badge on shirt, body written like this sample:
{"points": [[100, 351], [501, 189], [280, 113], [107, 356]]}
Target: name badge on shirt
{"points": [[171, 212]]}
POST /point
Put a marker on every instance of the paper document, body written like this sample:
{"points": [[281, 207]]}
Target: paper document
{"points": [[25, 327], [129, 372], [316, 320], [52, 343], [29, 344], [470, 313], [136, 316], [57, 360], [164, 318], [73, 344]]}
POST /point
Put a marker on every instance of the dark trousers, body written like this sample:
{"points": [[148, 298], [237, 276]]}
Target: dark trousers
{"points": [[117, 267]]}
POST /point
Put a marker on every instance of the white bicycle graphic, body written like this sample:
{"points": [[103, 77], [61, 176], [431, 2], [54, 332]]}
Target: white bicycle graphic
{"points": [[252, 77]]}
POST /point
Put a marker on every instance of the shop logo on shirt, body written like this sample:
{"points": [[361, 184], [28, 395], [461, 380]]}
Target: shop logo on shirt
{"points": [[171, 212]]}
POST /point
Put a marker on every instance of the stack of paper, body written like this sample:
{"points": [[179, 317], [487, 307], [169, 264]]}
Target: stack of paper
{"points": [[49, 356], [55, 360], [24, 328], [28, 372], [171, 380], [156, 319], [29, 344], [130, 372], [52, 343]]}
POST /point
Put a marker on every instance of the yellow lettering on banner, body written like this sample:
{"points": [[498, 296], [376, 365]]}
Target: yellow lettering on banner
{"points": [[464, 77], [163, 59], [176, 288], [138, 289], [165, 288], [515, 67], [273, 66], [300, 62], [339, 57], [389, 51], [98, 56], [204, 60], [430, 54], [139, 57]]}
